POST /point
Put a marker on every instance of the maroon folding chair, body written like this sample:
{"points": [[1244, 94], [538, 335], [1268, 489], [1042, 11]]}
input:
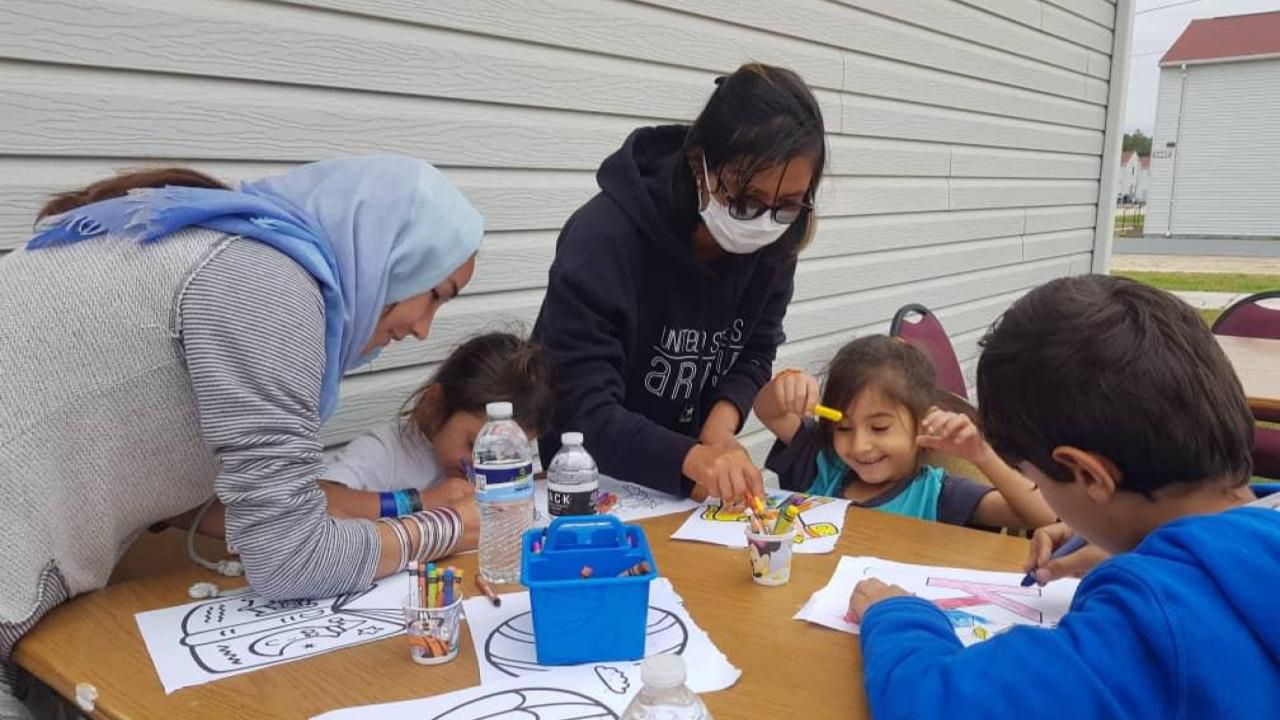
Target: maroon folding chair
{"points": [[1249, 318], [920, 328], [1266, 452]]}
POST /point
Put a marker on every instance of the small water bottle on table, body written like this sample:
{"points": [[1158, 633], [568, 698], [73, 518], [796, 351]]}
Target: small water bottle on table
{"points": [[664, 695], [503, 475], [572, 479]]}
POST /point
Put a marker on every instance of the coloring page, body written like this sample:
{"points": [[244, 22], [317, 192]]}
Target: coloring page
{"points": [[628, 501], [504, 640], [979, 603], [202, 641], [587, 692], [817, 527]]}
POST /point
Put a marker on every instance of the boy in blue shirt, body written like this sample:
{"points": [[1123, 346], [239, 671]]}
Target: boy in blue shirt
{"points": [[1119, 405]]}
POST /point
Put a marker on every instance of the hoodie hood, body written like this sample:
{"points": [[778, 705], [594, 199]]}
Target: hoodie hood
{"points": [[648, 179]]}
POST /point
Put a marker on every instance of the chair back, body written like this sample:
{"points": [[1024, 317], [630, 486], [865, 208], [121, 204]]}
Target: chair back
{"points": [[920, 328]]}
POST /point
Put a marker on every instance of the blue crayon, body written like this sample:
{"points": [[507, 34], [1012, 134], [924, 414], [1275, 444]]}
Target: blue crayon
{"points": [[1076, 542]]}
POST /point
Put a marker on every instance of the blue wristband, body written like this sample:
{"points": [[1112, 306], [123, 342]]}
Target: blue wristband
{"points": [[403, 506], [387, 505]]}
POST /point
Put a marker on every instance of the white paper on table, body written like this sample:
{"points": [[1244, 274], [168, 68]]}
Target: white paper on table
{"points": [[202, 641], [818, 526], [573, 693], [980, 603], [635, 502], [503, 638]]}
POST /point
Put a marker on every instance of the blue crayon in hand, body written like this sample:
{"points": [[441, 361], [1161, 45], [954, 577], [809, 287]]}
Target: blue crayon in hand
{"points": [[1076, 542]]}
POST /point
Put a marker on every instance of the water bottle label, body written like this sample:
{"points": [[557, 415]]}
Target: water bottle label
{"points": [[571, 500], [503, 483]]}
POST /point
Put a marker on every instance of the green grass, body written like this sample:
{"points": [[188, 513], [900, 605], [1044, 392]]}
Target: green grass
{"points": [[1210, 282], [1210, 315]]}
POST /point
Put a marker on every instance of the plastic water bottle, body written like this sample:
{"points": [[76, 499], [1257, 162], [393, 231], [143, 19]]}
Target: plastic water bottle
{"points": [[572, 479], [503, 474], [664, 695]]}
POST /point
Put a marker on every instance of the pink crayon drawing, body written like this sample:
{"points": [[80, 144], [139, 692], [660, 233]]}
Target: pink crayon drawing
{"points": [[988, 594]]}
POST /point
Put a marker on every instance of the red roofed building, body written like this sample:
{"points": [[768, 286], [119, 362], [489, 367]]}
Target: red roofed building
{"points": [[1215, 155]]}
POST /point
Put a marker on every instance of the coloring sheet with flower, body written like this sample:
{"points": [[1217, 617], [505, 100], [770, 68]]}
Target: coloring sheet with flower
{"points": [[588, 692], [202, 641], [504, 641], [817, 527], [979, 603], [629, 501]]}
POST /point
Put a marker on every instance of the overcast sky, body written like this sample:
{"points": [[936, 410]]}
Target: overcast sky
{"points": [[1154, 30]]}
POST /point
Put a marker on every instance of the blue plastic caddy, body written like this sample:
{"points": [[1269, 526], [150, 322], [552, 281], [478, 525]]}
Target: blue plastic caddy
{"points": [[596, 619]]}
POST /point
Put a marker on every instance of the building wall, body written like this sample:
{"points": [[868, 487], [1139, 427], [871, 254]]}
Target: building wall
{"points": [[1220, 178], [965, 137]]}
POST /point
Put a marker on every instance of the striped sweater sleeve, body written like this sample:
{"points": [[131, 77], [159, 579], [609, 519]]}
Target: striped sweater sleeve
{"points": [[252, 333]]}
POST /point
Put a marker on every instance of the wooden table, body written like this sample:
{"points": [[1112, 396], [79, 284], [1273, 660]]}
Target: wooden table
{"points": [[94, 638], [1257, 362]]}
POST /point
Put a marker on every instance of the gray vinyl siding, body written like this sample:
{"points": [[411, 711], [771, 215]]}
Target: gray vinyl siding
{"points": [[965, 137], [1220, 178]]}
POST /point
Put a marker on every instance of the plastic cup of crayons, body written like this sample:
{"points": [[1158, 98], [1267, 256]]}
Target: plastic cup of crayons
{"points": [[433, 621], [769, 543]]}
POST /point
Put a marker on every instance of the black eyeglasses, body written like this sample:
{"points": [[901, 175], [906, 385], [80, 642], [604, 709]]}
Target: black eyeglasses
{"points": [[743, 207]]}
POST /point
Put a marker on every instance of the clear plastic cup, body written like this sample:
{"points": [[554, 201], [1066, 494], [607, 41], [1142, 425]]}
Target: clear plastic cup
{"points": [[770, 557], [434, 633]]}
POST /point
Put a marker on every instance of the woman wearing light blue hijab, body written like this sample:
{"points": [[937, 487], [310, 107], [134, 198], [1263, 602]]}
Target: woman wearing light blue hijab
{"points": [[161, 345]]}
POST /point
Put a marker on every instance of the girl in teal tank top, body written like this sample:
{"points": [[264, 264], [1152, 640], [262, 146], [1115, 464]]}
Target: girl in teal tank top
{"points": [[887, 393]]}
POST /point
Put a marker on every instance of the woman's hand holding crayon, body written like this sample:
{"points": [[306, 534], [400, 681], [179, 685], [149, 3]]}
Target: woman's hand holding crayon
{"points": [[725, 470], [1046, 568], [867, 593]]}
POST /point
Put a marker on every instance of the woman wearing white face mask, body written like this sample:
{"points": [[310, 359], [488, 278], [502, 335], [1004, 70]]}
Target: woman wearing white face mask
{"points": [[665, 302]]}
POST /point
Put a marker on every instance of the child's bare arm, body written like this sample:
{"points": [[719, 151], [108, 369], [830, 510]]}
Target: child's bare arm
{"points": [[1016, 502], [785, 401]]}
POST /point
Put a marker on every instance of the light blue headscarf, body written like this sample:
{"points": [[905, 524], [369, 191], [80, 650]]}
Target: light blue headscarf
{"points": [[371, 230]]}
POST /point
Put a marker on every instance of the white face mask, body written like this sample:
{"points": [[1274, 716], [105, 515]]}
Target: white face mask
{"points": [[740, 237]]}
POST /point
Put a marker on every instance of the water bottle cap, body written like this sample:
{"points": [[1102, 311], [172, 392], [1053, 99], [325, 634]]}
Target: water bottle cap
{"points": [[663, 671], [571, 438], [499, 410]]}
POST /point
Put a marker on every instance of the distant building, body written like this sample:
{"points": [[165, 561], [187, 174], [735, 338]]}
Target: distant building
{"points": [[1216, 146], [1133, 178]]}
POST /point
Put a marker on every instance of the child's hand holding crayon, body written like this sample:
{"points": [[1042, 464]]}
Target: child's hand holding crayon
{"points": [[795, 392], [1045, 568], [449, 492], [867, 593]]}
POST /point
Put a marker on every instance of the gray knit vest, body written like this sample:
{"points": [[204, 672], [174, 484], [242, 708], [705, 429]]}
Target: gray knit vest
{"points": [[99, 435]]}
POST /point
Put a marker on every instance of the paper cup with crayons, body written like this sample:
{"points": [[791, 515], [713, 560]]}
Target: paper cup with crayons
{"points": [[433, 632], [770, 557], [769, 539]]}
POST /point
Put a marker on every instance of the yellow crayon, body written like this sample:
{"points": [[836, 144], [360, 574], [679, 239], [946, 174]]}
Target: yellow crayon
{"points": [[827, 413]]}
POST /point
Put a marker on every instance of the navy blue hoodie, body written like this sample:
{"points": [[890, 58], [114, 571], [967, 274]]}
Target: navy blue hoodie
{"points": [[1185, 627], [646, 339]]}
